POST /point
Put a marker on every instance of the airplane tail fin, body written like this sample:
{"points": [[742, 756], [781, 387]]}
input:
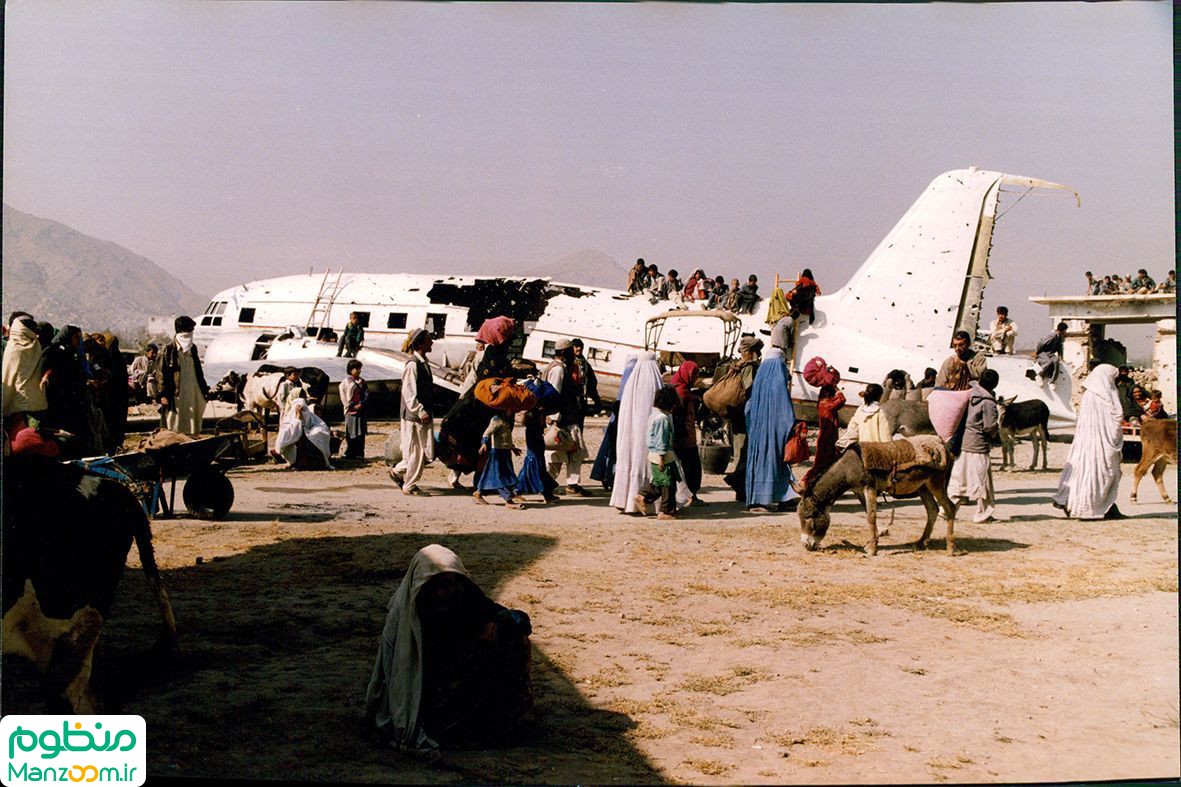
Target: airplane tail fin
{"points": [[929, 273]]}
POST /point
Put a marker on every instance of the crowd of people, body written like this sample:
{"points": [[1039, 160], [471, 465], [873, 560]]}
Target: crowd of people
{"points": [[1140, 284], [453, 665], [713, 292], [67, 394], [65, 391]]}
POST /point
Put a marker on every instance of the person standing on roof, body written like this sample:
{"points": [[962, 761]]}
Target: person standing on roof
{"points": [[418, 398], [352, 338], [563, 374]]}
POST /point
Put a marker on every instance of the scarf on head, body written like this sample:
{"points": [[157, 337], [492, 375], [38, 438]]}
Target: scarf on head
{"points": [[65, 334], [394, 695], [496, 330], [683, 380], [1090, 477], [22, 371], [769, 420]]}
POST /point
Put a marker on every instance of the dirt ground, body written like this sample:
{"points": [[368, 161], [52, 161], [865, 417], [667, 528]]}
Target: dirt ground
{"points": [[710, 650]]}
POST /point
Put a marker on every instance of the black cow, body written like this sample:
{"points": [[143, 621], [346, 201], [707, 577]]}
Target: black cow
{"points": [[66, 538], [1031, 417]]}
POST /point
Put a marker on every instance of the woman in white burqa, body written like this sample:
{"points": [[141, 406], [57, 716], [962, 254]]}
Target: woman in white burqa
{"points": [[1090, 478], [304, 441], [451, 664], [632, 469]]}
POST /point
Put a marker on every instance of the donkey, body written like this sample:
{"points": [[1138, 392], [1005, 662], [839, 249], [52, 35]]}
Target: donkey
{"points": [[1017, 419], [849, 472]]}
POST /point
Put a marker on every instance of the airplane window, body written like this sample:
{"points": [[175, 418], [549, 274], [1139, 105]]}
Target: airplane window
{"points": [[219, 308], [547, 349], [363, 319], [598, 354], [209, 308], [217, 321], [436, 325], [396, 321], [206, 320], [246, 315]]}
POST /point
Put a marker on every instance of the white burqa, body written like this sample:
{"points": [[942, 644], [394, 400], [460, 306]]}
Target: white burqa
{"points": [[299, 420], [395, 688], [1090, 478], [22, 372], [632, 468]]}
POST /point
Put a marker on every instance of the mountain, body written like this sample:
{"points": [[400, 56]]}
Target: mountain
{"points": [[590, 268], [60, 275]]}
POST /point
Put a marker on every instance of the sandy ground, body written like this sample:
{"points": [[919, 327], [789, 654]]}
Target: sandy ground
{"points": [[711, 650]]}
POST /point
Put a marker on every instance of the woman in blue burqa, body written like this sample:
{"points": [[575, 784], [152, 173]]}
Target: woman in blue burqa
{"points": [[604, 468], [452, 665], [769, 419]]}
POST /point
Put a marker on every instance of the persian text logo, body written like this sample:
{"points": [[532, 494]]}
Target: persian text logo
{"points": [[102, 749]]}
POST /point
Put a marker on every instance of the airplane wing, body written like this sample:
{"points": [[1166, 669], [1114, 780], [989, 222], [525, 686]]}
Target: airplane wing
{"points": [[331, 366]]}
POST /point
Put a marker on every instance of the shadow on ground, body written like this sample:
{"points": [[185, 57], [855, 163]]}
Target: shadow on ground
{"points": [[277, 648]]}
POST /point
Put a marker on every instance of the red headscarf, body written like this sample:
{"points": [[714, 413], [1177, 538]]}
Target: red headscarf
{"points": [[683, 380], [496, 330]]}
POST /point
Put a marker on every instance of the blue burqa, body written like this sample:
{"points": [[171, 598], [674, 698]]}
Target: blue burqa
{"points": [[769, 419], [604, 467]]}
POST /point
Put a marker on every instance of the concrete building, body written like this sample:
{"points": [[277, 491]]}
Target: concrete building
{"points": [[1087, 317]]}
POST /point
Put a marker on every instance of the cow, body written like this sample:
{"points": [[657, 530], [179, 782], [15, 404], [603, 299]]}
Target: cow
{"points": [[1017, 419], [1158, 445], [67, 534], [258, 396]]}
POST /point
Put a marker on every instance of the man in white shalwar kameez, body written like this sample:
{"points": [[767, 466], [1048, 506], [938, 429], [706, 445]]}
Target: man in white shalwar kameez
{"points": [[417, 423], [1090, 478], [971, 475], [181, 382]]}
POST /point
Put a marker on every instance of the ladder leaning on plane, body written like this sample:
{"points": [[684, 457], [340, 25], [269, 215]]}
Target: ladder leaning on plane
{"points": [[325, 298]]}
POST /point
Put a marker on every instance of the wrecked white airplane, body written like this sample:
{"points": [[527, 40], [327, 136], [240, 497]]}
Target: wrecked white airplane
{"points": [[923, 282]]}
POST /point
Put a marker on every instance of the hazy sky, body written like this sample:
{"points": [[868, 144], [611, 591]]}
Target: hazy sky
{"points": [[232, 141]]}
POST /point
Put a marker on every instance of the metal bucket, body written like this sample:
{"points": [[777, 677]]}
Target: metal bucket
{"points": [[715, 458]]}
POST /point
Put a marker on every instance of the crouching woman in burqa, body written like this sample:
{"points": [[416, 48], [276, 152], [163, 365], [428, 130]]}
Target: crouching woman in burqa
{"points": [[452, 665]]}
